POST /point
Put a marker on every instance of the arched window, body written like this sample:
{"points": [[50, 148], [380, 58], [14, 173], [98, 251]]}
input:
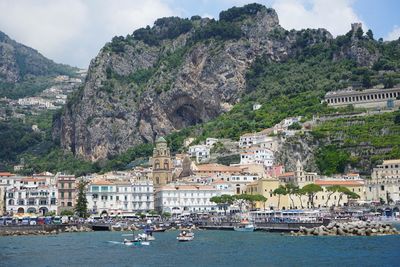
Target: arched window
{"points": [[157, 180], [166, 164], [11, 202], [156, 164]]}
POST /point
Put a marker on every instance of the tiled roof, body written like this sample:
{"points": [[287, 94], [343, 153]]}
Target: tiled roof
{"points": [[340, 182], [217, 168], [8, 174], [286, 174]]}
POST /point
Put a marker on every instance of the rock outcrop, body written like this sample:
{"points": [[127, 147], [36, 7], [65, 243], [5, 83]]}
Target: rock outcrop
{"points": [[180, 73], [137, 89]]}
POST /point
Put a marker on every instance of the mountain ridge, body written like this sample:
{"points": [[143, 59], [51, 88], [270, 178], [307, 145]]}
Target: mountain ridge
{"points": [[24, 66], [184, 72]]}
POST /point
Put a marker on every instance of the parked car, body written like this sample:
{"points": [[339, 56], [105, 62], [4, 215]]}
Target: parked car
{"points": [[41, 220], [64, 219], [25, 221], [57, 220]]}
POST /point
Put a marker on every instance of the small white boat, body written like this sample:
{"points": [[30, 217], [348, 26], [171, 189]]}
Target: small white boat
{"points": [[185, 235], [244, 228], [146, 237]]}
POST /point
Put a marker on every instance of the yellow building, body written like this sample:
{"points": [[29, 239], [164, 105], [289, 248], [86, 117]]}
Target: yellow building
{"points": [[356, 186], [162, 164], [265, 187]]}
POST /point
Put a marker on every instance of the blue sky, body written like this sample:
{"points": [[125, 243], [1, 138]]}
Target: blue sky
{"points": [[73, 31]]}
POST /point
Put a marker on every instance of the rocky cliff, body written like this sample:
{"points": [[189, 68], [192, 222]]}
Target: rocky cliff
{"points": [[178, 73]]}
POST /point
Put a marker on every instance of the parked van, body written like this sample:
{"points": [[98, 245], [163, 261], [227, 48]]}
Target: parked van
{"points": [[25, 221], [48, 220], [57, 220], [64, 219]]}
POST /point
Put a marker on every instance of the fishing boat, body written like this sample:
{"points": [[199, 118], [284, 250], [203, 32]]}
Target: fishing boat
{"points": [[148, 234], [136, 241], [185, 235], [244, 226]]}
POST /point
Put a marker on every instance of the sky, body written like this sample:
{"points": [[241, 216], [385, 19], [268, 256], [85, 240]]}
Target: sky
{"points": [[73, 31]]}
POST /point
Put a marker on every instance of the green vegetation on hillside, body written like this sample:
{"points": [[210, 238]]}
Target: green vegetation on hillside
{"points": [[29, 87], [370, 138]]}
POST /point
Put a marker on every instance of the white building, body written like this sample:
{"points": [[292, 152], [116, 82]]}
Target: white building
{"points": [[31, 195], [179, 199], [385, 182], [211, 141], [120, 197], [261, 139], [240, 181], [256, 106], [257, 155], [200, 152]]}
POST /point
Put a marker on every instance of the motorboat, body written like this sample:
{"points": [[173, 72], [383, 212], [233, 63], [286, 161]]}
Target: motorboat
{"points": [[244, 226], [136, 242], [139, 240], [147, 237], [185, 235]]}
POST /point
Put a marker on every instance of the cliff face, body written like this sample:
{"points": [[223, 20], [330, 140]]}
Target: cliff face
{"points": [[18, 61], [137, 89]]}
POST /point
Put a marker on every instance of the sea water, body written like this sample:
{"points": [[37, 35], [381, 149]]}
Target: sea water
{"points": [[209, 248]]}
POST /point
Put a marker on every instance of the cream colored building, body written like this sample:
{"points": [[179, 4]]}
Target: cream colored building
{"points": [[385, 182]]}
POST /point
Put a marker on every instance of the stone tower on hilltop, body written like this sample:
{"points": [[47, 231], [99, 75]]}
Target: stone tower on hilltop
{"points": [[162, 163]]}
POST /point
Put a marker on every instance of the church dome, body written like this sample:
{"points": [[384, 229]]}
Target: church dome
{"points": [[161, 140]]}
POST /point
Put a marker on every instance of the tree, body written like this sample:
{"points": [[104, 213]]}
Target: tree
{"points": [[295, 126], [81, 204], [248, 199], [370, 34], [345, 191], [359, 33], [291, 190], [281, 190], [388, 82], [224, 201], [332, 189], [299, 192], [366, 81], [166, 215], [259, 198], [311, 190]]}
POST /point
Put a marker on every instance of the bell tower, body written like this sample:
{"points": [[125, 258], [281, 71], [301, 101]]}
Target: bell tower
{"points": [[162, 164]]}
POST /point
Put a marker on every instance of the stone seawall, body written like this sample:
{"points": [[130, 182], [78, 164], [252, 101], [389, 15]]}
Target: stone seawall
{"points": [[15, 230], [356, 228]]}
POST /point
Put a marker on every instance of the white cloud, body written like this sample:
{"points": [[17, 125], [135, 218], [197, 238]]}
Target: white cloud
{"points": [[394, 34], [335, 16], [45, 25], [73, 31]]}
